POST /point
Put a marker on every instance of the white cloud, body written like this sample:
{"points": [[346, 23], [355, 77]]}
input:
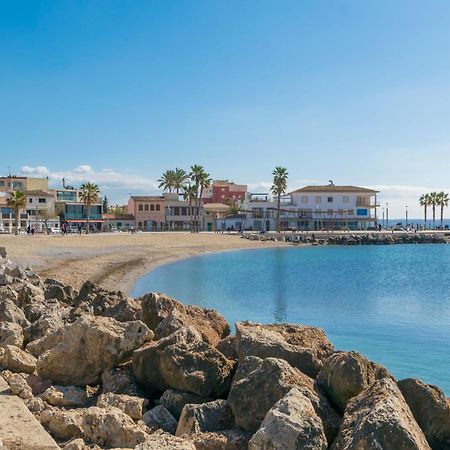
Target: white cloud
{"points": [[39, 170]]}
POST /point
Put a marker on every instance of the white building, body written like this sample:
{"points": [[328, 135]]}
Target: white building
{"points": [[41, 210]]}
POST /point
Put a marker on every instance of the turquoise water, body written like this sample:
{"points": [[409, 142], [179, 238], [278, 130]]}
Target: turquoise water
{"points": [[391, 303]]}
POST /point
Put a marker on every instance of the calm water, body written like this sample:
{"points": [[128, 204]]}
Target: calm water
{"points": [[391, 303]]}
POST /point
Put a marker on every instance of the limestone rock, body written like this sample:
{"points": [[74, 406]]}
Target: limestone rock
{"points": [[431, 409], [19, 386], [345, 374], [165, 315], [89, 346], [37, 384], [29, 294], [63, 424], [18, 360], [132, 406], [36, 405], [183, 361], [301, 346], [160, 418], [120, 380], [379, 418], [51, 318], [111, 428], [53, 289], [9, 312], [76, 444], [235, 439], [227, 346], [11, 334], [211, 416], [291, 424], [41, 345], [69, 396], [175, 400], [161, 440], [257, 388]]}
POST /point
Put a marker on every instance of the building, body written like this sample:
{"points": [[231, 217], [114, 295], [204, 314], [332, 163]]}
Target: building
{"points": [[41, 210], [180, 215], [223, 190], [118, 222], [148, 211], [18, 183], [259, 212]]}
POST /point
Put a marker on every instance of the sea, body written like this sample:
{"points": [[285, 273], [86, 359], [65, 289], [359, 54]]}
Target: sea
{"points": [[391, 303]]}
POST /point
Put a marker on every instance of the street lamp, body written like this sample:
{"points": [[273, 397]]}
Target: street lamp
{"points": [[384, 224], [406, 213], [387, 215]]}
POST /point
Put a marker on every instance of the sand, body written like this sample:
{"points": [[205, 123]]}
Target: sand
{"points": [[114, 260]]}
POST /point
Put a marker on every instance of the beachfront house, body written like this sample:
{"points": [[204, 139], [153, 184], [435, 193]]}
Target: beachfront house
{"points": [[41, 210], [148, 212]]}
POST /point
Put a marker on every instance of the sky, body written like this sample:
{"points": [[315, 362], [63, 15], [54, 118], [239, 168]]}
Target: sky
{"points": [[116, 92]]}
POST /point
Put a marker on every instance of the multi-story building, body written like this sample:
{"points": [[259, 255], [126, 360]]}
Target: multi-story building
{"points": [[180, 215], [148, 211], [41, 210], [222, 190], [18, 183]]}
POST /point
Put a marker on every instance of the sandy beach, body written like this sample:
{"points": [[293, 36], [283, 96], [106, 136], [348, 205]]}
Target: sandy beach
{"points": [[114, 260]]}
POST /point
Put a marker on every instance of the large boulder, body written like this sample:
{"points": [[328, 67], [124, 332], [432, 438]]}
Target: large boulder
{"points": [[18, 360], [18, 384], [234, 439], [49, 319], [62, 424], [431, 409], [211, 416], [291, 424], [183, 361], [10, 312], [45, 343], [111, 428], [132, 406], [120, 380], [88, 347], [379, 418], [69, 396], [159, 418], [11, 334], [259, 384], [175, 400], [301, 346], [54, 289], [165, 315], [160, 440], [345, 374]]}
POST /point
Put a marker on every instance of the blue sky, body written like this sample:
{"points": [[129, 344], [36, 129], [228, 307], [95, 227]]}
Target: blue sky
{"points": [[118, 91]]}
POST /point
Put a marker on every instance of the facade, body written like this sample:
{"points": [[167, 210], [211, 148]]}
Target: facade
{"points": [[41, 210], [118, 222], [148, 211], [179, 215], [224, 190], [18, 183]]}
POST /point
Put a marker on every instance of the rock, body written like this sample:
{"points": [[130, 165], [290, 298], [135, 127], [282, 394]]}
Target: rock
{"points": [[227, 346], [183, 361], [50, 340], [76, 444], [36, 405], [221, 440], [111, 428], [431, 409], [11, 334], [120, 380], [89, 346], [48, 321], [69, 396], [19, 386], [345, 374], [18, 360], [211, 416], [132, 406], [175, 400], [53, 289], [100, 302], [259, 384], [291, 424], [160, 418], [63, 424], [379, 418], [301, 346], [37, 384], [165, 315], [28, 294], [161, 440], [9, 312]]}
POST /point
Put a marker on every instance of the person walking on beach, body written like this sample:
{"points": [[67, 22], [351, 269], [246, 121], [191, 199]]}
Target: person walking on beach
{"points": [[80, 228], [32, 231]]}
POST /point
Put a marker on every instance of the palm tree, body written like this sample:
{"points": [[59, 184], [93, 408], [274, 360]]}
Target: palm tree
{"points": [[434, 202], [179, 179], [167, 180], [280, 175], [17, 201], [89, 193], [201, 181], [443, 200], [424, 201], [190, 194]]}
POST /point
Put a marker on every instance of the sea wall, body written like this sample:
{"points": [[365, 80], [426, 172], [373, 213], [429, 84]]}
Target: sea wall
{"points": [[101, 370]]}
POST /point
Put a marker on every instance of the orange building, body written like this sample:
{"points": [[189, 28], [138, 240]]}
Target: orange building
{"points": [[148, 211]]}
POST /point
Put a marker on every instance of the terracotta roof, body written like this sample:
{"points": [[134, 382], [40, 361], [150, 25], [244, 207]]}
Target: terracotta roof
{"points": [[334, 188]]}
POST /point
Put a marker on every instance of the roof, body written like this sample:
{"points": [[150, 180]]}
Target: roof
{"points": [[334, 188], [216, 207], [38, 193], [144, 198], [118, 216]]}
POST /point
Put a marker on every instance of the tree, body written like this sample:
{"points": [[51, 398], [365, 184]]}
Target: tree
{"points": [[424, 201], [105, 205], [45, 216], [17, 201], [201, 181], [190, 194], [180, 178], [433, 196], [442, 201], [167, 181], [89, 194], [280, 175], [233, 205]]}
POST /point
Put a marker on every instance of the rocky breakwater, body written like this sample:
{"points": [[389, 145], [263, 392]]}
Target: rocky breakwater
{"points": [[321, 238], [100, 370]]}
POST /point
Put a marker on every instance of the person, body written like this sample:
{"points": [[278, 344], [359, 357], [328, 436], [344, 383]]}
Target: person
{"points": [[28, 230], [80, 228], [32, 231]]}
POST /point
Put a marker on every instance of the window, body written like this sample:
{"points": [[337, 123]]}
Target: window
{"points": [[345, 198], [304, 199], [145, 207], [42, 200], [2, 183], [318, 199], [361, 212], [330, 199], [141, 207], [350, 212], [30, 200], [140, 224], [157, 207], [152, 207]]}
